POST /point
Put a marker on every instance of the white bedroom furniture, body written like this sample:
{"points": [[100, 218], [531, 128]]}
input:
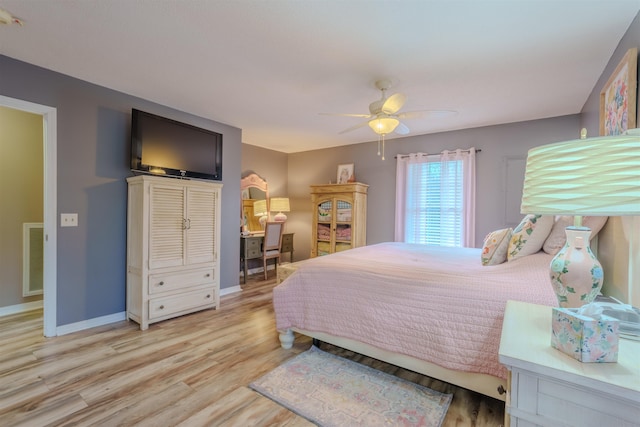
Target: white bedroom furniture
{"points": [[339, 213], [173, 247], [549, 388]]}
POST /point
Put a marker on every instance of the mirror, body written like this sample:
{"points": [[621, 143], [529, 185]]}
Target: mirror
{"points": [[253, 188]]}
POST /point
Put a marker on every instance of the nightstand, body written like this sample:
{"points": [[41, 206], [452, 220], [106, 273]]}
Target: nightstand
{"points": [[549, 388]]}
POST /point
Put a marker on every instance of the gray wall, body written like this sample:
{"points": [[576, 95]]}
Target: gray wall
{"points": [[93, 155], [21, 193], [498, 144], [269, 164]]}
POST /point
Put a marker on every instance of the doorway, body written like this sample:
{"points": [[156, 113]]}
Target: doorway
{"points": [[49, 117]]}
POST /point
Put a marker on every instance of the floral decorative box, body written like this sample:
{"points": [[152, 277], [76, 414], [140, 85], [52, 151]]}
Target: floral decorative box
{"points": [[585, 338]]}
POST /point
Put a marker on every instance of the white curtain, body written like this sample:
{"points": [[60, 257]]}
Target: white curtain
{"points": [[465, 180], [457, 194], [405, 203]]}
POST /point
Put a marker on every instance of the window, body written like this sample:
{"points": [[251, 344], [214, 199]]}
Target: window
{"points": [[435, 199]]}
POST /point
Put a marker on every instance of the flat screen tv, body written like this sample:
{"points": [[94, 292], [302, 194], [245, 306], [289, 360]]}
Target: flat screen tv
{"points": [[166, 147]]}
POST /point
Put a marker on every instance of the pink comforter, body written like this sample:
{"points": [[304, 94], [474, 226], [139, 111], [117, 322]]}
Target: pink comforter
{"points": [[433, 303]]}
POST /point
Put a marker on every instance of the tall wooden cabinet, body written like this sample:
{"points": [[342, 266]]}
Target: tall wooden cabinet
{"points": [[339, 217], [173, 247]]}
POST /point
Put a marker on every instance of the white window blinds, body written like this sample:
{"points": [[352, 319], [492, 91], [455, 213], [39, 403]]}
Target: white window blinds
{"points": [[435, 198]]}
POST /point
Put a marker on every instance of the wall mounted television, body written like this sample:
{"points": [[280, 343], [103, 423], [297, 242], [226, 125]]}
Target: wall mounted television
{"points": [[165, 147]]}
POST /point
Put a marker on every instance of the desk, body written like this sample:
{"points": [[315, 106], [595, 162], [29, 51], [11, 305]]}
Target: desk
{"points": [[251, 248]]}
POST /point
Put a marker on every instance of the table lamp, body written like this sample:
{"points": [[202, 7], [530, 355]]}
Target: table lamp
{"points": [[280, 204], [592, 176], [260, 209]]}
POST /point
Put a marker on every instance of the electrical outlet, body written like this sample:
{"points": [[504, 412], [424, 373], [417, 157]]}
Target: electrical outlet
{"points": [[69, 220]]}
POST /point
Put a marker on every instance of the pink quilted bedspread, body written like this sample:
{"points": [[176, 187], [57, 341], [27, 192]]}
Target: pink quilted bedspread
{"points": [[433, 303]]}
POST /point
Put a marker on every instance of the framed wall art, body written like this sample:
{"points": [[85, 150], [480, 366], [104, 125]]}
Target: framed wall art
{"points": [[618, 97], [345, 173]]}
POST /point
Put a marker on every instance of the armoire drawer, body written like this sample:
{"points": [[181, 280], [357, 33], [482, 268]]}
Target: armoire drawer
{"points": [[179, 280], [164, 306]]}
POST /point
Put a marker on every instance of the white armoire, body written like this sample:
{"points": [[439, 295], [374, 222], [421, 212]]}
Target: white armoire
{"points": [[173, 247]]}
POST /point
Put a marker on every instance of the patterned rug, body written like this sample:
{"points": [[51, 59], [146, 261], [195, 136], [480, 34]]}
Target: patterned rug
{"points": [[332, 391]]}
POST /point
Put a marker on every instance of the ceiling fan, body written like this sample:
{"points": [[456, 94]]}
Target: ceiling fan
{"points": [[7, 18], [384, 116]]}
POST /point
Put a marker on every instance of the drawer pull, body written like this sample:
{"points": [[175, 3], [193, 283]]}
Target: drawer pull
{"points": [[207, 275], [208, 296], [161, 283], [501, 389], [161, 307]]}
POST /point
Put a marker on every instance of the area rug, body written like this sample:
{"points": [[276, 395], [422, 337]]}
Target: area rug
{"points": [[329, 390]]}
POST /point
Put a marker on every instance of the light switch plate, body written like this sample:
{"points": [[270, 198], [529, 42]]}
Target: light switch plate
{"points": [[69, 220]]}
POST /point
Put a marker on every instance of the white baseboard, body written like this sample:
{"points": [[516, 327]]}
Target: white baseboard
{"points": [[230, 290], [91, 323], [117, 317], [20, 308]]}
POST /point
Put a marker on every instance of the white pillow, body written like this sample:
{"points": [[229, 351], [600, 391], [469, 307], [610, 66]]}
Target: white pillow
{"points": [[557, 238], [529, 236], [494, 249]]}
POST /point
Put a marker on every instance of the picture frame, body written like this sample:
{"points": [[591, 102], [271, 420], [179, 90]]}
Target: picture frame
{"points": [[345, 173], [618, 97]]}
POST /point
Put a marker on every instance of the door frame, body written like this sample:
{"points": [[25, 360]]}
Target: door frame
{"points": [[49, 121]]}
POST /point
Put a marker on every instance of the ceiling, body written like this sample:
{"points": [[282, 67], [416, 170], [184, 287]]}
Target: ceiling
{"points": [[270, 67]]}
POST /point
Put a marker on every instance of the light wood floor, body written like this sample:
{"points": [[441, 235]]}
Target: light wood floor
{"points": [[189, 371]]}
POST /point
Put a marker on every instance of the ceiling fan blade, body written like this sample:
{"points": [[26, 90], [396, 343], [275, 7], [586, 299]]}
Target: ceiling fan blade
{"points": [[394, 103], [402, 129], [358, 126], [365, 116], [427, 113]]}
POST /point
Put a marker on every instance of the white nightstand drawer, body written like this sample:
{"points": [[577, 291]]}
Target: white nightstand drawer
{"points": [[546, 401], [160, 307], [179, 280]]}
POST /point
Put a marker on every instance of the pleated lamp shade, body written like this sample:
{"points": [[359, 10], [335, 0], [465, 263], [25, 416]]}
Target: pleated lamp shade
{"points": [[593, 176], [260, 209]]}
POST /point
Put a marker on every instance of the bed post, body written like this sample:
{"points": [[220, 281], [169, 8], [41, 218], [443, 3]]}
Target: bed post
{"points": [[286, 339]]}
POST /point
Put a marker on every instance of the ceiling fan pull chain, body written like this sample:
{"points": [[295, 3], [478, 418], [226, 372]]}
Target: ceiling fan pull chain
{"points": [[379, 144], [383, 146]]}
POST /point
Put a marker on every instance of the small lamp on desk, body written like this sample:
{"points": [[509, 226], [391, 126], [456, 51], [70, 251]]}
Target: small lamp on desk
{"points": [[592, 176], [260, 209], [280, 205]]}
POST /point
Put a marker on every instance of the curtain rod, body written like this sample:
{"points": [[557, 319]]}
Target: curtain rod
{"points": [[402, 156]]}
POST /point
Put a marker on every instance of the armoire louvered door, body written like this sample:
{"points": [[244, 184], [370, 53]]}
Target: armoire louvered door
{"points": [[167, 232], [182, 226], [200, 226]]}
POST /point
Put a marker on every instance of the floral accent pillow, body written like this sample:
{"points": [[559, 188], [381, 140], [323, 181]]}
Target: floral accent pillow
{"points": [[529, 236], [494, 249], [558, 237]]}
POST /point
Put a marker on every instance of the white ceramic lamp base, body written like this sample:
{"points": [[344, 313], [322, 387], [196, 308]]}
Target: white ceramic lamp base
{"points": [[576, 274], [280, 217]]}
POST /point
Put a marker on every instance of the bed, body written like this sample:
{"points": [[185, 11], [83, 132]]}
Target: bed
{"points": [[434, 310]]}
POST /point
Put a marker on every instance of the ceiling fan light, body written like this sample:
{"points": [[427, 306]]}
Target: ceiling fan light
{"points": [[383, 125]]}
